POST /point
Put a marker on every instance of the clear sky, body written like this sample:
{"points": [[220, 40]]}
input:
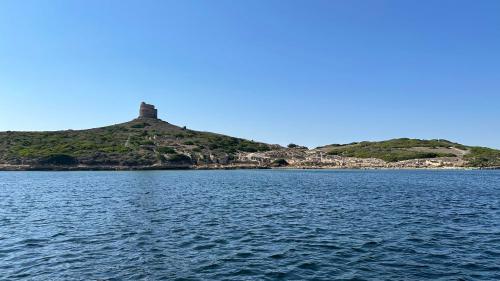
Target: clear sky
{"points": [[308, 72]]}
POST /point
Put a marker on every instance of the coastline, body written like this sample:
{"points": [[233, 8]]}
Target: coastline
{"points": [[149, 143], [25, 168]]}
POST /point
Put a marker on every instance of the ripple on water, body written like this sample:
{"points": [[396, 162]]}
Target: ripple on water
{"points": [[250, 225], [308, 266]]}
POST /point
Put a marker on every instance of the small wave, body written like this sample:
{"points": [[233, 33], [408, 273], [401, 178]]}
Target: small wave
{"points": [[277, 256], [244, 254], [309, 266], [204, 247]]}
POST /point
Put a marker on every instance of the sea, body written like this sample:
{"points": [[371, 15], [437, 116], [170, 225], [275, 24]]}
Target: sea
{"points": [[250, 225]]}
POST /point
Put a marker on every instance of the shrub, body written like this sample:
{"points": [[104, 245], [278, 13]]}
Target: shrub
{"points": [[483, 157], [166, 150], [179, 159], [247, 149], [280, 163], [140, 125], [59, 159]]}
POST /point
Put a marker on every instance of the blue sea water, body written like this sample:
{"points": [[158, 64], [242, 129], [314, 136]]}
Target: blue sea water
{"points": [[250, 225]]}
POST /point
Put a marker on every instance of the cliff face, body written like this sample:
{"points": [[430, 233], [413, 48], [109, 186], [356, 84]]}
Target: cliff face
{"points": [[150, 143]]}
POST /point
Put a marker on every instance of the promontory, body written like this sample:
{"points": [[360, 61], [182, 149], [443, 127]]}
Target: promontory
{"points": [[151, 143]]}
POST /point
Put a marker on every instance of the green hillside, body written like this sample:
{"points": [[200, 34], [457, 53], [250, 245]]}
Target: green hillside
{"points": [[150, 142], [483, 157], [140, 142], [406, 149]]}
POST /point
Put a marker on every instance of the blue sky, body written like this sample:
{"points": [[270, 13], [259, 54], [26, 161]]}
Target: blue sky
{"points": [[308, 72]]}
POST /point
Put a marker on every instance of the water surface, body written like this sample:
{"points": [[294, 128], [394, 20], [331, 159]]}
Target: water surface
{"points": [[250, 225]]}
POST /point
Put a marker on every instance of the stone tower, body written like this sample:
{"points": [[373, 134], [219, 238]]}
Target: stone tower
{"points": [[148, 111]]}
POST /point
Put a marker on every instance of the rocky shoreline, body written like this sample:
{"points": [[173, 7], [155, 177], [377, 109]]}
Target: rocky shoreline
{"points": [[286, 158], [223, 167]]}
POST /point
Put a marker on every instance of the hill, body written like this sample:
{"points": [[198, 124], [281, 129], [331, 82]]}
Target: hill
{"points": [[150, 143], [396, 153], [142, 142], [405, 149]]}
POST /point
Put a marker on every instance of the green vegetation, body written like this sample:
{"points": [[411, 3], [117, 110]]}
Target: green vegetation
{"points": [[483, 157], [179, 159], [158, 143], [293, 145], [59, 159], [166, 150], [232, 145], [140, 125], [409, 143], [130, 144], [396, 149], [280, 163]]}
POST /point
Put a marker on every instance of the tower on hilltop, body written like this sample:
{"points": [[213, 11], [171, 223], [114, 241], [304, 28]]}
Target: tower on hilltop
{"points": [[148, 111]]}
